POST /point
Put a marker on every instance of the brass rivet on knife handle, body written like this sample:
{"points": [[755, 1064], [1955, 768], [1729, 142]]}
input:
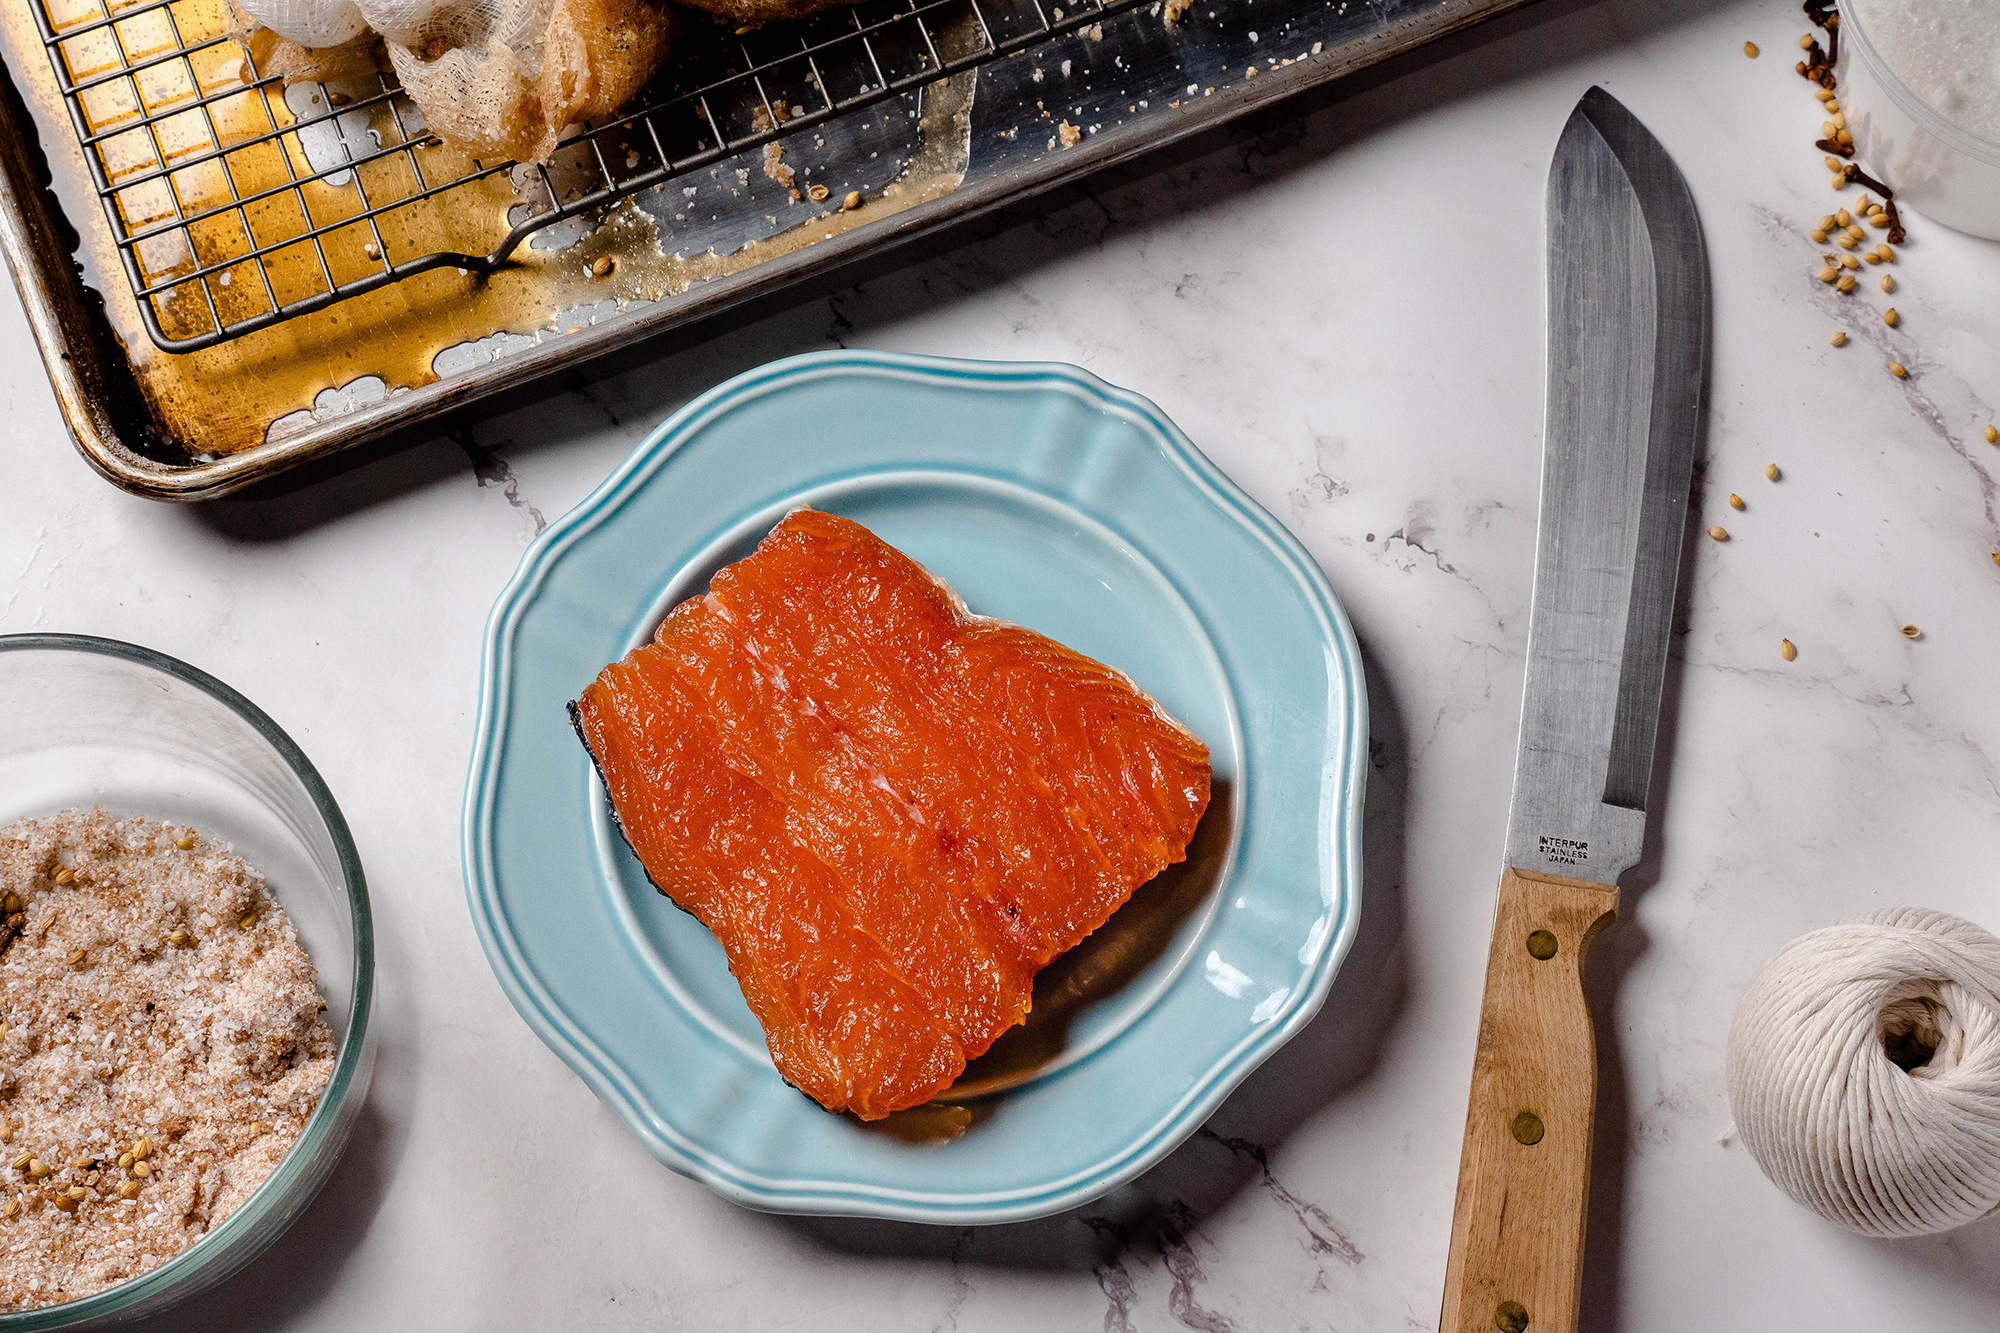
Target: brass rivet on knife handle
{"points": [[1541, 945], [1517, 1227], [1510, 1317]]}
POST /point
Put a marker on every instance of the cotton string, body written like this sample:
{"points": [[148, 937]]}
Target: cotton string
{"points": [[1831, 1117]]}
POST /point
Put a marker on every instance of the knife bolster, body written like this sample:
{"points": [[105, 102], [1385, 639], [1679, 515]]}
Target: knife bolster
{"points": [[1524, 1176]]}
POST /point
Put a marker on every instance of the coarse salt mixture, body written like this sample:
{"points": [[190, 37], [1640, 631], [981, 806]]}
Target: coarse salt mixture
{"points": [[162, 1043], [1946, 51]]}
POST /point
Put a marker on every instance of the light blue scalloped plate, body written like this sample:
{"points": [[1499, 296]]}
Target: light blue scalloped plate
{"points": [[1046, 497]]}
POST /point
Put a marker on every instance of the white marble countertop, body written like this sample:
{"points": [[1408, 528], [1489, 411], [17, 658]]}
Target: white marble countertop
{"points": [[1345, 313]]}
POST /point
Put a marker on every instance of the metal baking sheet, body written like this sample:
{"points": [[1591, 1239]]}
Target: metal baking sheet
{"points": [[600, 261]]}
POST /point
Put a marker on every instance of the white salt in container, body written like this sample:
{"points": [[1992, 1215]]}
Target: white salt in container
{"points": [[1936, 165]]}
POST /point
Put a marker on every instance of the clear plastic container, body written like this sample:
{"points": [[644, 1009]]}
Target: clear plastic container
{"points": [[87, 721], [1948, 174]]}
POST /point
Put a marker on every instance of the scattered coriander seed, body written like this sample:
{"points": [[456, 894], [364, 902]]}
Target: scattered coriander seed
{"points": [[1828, 223], [1771, 472], [129, 1190], [1839, 339], [1840, 123], [36, 1170], [1993, 434], [1899, 370], [142, 1169], [78, 1192], [1750, 49], [142, 1149], [1846, 283], [185, 842], [1816, 236], [13, 903], [12, 1209], [1720, 534], [1826, 129], [1996, 557], [76, 958], [1855, 231], [1912, 632], [1839, 180], [1844, 241], [1888, 283], [1849, 261], [1829, 273], [178, 937], [817, 193], [249, 920], [1845, 135], [1833, 103], [1888, 255], [1806, 42], [1839, 170], [63, 876], [1872, 257], [1879, 221], [1735, 502], [124, 1161], [1843, 217], [1891, 318], [600, 266], [1823, 94], [21, 1162], [64, 1202], [851, 202], [1788, 650]]}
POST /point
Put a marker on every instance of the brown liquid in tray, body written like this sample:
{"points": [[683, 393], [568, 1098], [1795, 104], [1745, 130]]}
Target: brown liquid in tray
{"points": [[224, 398]]}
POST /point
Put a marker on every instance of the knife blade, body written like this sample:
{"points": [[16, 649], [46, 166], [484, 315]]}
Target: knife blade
{"points": [[1628, 316]]}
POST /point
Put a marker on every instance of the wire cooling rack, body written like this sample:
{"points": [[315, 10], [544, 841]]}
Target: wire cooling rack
{"points": [[237, 203]]}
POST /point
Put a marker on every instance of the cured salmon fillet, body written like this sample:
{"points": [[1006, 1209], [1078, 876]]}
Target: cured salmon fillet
{"points": [[891, 812]]}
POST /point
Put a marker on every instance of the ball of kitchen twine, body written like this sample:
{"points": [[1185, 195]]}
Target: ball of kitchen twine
{"points": [[1864, 1072]]}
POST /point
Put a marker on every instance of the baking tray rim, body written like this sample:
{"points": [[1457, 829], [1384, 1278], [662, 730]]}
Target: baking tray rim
{"points": [[57, 302]]}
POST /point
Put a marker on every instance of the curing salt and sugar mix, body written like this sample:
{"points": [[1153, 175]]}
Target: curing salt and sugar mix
{"points": [[162, 1045]]}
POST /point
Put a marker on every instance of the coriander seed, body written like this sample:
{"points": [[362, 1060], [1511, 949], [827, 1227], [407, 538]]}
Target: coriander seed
{"points": [[1993, 434], [1788, 650], [1839, 339], [1719, 534], [1771, 472], [1891, 318], [1912, 632], [1888, 283], [1899, 370], [1750, 49]]}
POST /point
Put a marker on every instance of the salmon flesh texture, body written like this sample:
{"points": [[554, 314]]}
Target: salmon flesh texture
{"points": [[891, 812]]}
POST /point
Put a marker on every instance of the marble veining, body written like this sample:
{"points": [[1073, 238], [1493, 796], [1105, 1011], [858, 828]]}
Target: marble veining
{"points": [[1340, 302]]}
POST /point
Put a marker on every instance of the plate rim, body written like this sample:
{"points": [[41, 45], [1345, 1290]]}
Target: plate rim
{"points": [[603, 1074]]}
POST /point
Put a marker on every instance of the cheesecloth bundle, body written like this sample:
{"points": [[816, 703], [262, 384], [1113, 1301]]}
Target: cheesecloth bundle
{"points": [[1864, 1072], [490, 76]]}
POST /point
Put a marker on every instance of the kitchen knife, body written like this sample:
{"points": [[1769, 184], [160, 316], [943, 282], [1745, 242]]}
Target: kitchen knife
{"points": [[1628, 339]]}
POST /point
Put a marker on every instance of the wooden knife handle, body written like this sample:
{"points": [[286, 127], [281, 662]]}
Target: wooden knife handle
{"points": [[1524, 1180]]}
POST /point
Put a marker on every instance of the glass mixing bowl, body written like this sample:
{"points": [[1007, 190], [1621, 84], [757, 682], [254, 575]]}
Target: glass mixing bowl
{"points": [[1947, 173], [86, 721]]}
